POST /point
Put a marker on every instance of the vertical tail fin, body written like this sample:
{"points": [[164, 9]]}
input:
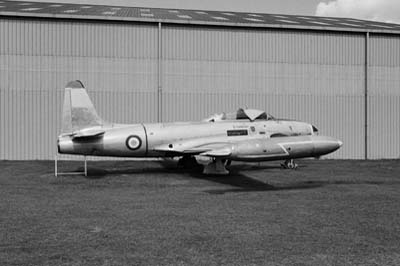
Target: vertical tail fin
{"points": [[78, 110]]}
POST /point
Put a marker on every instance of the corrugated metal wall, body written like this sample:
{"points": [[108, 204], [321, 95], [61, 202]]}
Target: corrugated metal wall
{"points": [[310, 76], [116, 62], [384, 97]]}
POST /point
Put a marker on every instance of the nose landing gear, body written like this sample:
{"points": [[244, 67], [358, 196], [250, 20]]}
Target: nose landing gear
{"points": [[289, 164]]}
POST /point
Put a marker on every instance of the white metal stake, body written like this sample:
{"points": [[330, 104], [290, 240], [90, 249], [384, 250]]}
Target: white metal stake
{"points": [[85, 166], [55, 165]]}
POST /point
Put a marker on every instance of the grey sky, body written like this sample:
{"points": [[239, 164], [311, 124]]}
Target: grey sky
{"points": [[379, 10]]}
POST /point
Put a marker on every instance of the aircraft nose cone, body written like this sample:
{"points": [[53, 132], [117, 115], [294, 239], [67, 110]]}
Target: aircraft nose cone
{"points": [[324, 145], [340, 143]]}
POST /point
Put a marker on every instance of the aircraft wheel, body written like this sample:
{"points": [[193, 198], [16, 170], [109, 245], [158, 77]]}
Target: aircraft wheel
{"points": [[289, 164]]}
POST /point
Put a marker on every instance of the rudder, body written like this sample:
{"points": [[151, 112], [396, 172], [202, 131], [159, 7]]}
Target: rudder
{"points": [[78, 109]]}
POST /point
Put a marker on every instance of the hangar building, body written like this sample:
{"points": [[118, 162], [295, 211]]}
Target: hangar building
{"points": [[150, 64]]}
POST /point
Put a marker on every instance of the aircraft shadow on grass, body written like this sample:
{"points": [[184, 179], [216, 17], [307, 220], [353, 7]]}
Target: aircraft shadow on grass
{"points": [[236, 181], [239, 182]]}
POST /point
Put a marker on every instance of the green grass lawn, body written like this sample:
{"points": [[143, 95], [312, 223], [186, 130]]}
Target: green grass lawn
{"points": [[148, 213]]}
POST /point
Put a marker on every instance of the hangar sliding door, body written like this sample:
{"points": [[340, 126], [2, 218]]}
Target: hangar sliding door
{"points": [[384, 97], [117, 63], [310, 76]]}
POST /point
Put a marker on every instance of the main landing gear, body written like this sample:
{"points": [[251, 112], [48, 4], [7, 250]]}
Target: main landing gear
{"points": [[188, 162], [289, 164], [217, 167]]}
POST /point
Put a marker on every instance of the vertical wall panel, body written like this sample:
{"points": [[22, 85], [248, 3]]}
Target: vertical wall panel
{"points": [[384, 97], [310, 76], [116, 62]]}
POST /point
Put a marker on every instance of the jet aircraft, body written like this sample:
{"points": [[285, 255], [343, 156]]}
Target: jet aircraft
{"points": [[246, 135]]}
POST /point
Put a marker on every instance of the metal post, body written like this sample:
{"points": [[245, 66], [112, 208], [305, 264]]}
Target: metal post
{"points": [[366, 76], [85, 165], [56, 173], [55, 166], [159, 75]]}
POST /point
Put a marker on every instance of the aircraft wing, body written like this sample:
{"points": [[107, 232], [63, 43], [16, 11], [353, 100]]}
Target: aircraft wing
{"points": [[219, 152], [216, 149]]}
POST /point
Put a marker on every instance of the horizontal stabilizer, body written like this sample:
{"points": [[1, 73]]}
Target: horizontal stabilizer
{"points": [[87, 133]]}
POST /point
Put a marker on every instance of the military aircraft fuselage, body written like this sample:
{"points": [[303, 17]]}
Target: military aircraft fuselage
{"points": [[259, 140], [244, 135]]}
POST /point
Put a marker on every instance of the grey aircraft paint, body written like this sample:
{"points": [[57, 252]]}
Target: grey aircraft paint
{"points": [[247, 135]]}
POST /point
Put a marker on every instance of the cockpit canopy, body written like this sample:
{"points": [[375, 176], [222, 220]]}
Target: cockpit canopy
{"points": [[240, 114]]}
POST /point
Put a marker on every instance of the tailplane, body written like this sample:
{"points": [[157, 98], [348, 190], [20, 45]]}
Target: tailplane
{"points": [[78, 111]]}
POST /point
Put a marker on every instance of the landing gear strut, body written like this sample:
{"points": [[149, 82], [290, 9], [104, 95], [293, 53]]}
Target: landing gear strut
{"points": [[217, 167], [289, 164]]}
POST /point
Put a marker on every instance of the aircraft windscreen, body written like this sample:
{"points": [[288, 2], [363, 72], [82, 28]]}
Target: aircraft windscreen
{"points": [[241, 114], [315, 130]]}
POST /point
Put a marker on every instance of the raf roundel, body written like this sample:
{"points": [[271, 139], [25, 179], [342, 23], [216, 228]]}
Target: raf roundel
{"points": [[133, 142]]}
